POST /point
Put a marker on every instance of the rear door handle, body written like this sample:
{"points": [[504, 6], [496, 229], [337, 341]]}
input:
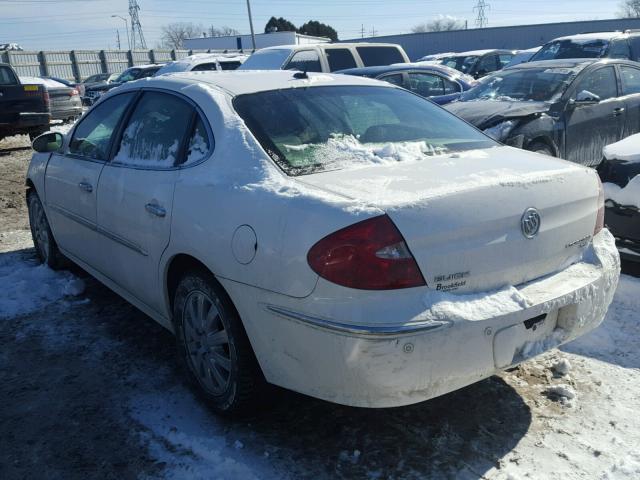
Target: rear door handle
{"points": [[618, 111], [87, 187], [155, 209]]}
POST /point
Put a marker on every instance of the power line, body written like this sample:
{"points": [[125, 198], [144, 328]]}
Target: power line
{"points": [[136, 27], [481, 20]]}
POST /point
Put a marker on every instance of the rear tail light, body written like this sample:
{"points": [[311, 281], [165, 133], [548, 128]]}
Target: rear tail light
{"points": [[46, 98], [368, 255], [600, 215]]}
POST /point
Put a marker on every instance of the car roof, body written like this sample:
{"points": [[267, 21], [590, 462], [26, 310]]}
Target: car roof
{"points": [[558, 63], [150, 65], [587, 37], [380, 69], [479, 52], [329, 45], [253, 81]]}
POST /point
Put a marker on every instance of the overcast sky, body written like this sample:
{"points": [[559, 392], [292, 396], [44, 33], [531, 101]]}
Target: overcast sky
{"points": [[87, 24]]}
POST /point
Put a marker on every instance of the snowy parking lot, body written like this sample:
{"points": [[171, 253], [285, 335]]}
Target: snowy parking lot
{"points": [[90, 389]]}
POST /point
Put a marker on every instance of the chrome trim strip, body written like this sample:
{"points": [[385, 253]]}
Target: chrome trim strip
{"points": [[92, 226], [363, 330]]}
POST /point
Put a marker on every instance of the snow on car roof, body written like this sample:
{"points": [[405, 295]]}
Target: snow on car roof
{"points": [[626, 150], [471, 53], [589, 37], [252, 81]]}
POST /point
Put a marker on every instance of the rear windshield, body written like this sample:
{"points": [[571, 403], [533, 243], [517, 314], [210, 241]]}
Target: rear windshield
{"points": [[309, 130], [595, 48], [266, 59], [524, 85], [374, 56]]}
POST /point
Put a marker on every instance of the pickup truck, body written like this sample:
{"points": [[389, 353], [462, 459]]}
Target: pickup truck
{"points": [[24, 108]]}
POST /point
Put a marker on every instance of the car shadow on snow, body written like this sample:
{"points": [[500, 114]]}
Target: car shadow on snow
{"points": [[77, 369]]}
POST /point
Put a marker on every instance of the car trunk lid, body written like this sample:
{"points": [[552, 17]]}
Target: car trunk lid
{"points": [[461, 214]]}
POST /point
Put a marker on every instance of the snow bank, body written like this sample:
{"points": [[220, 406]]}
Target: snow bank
{"points": [[627, 150], [629, 195], [27, 286]]}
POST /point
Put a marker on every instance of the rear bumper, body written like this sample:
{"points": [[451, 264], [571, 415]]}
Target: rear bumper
{"points": [[27, 121], [455, 342], [66, 112]]}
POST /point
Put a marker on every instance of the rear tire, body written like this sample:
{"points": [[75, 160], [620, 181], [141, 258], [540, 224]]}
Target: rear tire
{"points": [[43, 241], [213, 347], [540, 147]]}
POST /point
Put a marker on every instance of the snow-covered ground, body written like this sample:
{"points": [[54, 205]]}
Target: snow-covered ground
{"points": [[568, 414]]}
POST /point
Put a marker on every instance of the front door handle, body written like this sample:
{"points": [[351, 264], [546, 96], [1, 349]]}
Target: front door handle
{"points": [[618, 111], [155, 209], [87, 187]]}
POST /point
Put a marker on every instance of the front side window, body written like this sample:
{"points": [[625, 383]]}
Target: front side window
{"points": [[340, 59], [504, 59], [234, 65], [451, 87], [305, 61], [630, 80], [128, 75], [375, 56], [488, 64], [426, 84], [92, 136], [463, 64], [620, 49], [7, 77], [336, 127], [155, 132], [602, 83]]}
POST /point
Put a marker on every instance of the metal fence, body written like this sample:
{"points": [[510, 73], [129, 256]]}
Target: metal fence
{"points": [[77, 65]]}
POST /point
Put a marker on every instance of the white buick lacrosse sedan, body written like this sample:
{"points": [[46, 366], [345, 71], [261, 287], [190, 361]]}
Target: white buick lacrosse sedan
{"points": [[334, 235]]}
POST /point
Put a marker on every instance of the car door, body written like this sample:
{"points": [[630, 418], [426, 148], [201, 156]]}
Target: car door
{"points": [[71, 178], [135, 192], [590, 126], [630, 82]]}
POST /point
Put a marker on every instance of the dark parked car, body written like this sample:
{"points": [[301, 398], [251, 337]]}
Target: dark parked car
{"points": [[24, 107], [621, 45], [437, 82], [97, 78], [94, 92], [478, 63], [620, 174], [565, 108]]}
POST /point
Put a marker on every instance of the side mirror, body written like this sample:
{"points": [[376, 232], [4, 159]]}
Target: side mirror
{"points": [[48, 142], [585, 97]]}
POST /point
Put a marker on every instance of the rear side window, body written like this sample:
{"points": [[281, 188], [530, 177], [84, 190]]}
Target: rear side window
{"points": [[340, 59], [450, 87], [630, 80], [602, 82], [229, 65], [204, 67], [426, 84], [7, 77], [374, 56], [305, 61], [199, 144], [155, 132], [92, 136]]}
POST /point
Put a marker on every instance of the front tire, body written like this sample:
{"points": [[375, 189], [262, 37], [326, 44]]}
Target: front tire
{"points": [[43, 241], [213, 347]]}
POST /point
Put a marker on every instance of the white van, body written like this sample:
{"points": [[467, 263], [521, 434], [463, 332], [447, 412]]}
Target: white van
{"points": [[325, 57]]}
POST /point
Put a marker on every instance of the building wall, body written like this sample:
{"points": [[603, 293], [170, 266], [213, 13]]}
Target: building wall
{"points": [[244, 41], [516, 37]]}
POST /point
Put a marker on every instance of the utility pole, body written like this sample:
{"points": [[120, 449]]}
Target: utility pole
{"points": [[253, 35], [481, 20], [373, 31], [126, 27], [118, 38], [136, 27], [362, 31]]}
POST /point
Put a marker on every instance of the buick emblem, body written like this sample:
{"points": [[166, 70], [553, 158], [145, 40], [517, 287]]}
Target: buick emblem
{"points": [[530, 223]]}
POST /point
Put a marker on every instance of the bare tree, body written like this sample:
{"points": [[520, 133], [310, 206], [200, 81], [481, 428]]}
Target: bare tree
{"points": [[440, 24], [173, 35], [223, 31], [630, 9]]}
